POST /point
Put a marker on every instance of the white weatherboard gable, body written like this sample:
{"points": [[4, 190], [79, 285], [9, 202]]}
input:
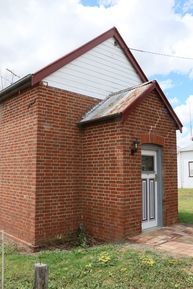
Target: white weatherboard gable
{"points": [[97, 73]]}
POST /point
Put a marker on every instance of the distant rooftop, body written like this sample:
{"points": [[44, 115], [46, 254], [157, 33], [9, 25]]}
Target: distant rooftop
{"points": [[186, 149]]}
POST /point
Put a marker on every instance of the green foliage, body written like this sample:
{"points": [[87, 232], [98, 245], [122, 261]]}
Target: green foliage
{"points": [[185, 198], [107, 267], [82, 239]]}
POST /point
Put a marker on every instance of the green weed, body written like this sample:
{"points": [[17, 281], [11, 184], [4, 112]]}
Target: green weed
{"points": [[106, 266]]}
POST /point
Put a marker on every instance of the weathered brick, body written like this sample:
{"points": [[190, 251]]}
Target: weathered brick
{"points": [[55, 175]]}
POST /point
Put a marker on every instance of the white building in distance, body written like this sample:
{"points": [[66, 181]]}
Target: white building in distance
{"points": [[185, 167]]}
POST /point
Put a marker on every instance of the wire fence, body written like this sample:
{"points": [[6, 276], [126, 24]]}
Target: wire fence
{"points": [[2, 251], [41, 270]]}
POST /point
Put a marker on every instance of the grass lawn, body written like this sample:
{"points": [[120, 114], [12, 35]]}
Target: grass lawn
{"points": [[185, 197], [107, 266]]}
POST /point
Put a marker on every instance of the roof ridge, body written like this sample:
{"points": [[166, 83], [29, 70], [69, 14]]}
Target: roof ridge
{"points": [[130, 88], [188, 147]]}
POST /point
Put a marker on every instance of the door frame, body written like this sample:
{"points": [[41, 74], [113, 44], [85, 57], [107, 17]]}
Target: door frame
{"points": [[160, 193]]}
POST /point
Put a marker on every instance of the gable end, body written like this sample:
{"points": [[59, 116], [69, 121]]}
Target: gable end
{"points": [[113, 32]]}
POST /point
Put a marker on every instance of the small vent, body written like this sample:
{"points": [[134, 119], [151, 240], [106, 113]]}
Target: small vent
{"points": [[116, 43]]}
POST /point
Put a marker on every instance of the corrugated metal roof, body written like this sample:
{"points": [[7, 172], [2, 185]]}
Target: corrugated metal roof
{"points": [[116, 103]]}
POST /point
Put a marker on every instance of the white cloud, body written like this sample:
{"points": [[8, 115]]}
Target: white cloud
{"points": [[184, 139], [174, 101], [37, 32], [166, 84], [188, 5], [191, 74], [185, 114], [107, 3], [185, 110]]}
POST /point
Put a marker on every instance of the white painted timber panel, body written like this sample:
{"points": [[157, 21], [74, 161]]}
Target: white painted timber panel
{"points": [[184, 180], [97, 73]]}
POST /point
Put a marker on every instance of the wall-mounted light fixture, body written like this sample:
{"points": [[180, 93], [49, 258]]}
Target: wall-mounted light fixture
{"points": [[134, 146]]}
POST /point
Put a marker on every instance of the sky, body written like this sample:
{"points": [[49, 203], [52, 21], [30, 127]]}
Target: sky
{"points": [[37, 32]]}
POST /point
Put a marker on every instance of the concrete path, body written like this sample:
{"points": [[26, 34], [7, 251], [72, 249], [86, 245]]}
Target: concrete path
{"points": [[177, 239]]}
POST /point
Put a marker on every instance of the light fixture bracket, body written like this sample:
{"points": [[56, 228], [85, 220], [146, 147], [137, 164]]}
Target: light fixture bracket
{"points": [[134, 146]]}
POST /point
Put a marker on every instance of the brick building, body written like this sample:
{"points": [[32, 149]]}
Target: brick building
{"points": [[87, 140]]}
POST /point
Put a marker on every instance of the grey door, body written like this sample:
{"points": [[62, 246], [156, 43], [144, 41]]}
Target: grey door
{"points": [[149, 189]]}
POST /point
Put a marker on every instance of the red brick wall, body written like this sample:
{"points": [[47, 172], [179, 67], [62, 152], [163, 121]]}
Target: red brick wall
{"points": [[103, 183], [59, 163], [40, 163], [18, 131], [112, 176], [55, 175]]}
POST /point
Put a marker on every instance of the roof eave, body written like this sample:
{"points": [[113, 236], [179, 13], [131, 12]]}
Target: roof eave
{"points": [[139, 99], [100, 119], [17, 87], [168, 105]]}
